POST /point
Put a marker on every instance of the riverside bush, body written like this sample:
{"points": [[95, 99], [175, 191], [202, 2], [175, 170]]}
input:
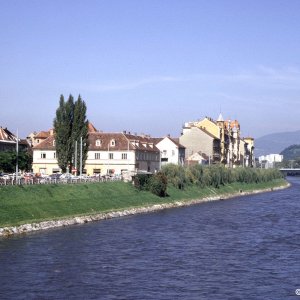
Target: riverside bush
{"points": [[216, 175], [156, 184], [140, 181], [175, 174]]}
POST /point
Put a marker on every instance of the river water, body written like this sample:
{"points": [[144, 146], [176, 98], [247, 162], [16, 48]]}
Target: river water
{"points": [[242, 248]]}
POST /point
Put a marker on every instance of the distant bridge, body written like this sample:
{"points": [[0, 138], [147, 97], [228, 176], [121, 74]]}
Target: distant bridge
{"points": [[290, 171]]}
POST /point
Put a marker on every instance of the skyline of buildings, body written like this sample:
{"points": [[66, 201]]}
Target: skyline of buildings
{"points": [[201, 142]]}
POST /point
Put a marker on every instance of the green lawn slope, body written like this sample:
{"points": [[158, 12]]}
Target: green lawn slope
{"points": [[36, 203]]}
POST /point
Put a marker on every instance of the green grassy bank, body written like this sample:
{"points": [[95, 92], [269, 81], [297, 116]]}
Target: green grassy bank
{"points": [[29, 204]]}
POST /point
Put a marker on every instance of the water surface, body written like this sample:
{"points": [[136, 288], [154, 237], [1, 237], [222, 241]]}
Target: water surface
{"points": [[243, 248]]}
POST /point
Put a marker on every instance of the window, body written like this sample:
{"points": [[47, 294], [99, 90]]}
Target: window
{"points": [[98, 143], [113, 143], [54, 144], [54, 155], [173, 152], [96, 171], [97, 155], [111, 156], [124, 155], [43, 155]]}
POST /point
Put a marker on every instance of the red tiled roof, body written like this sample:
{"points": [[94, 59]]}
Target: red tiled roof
{"points": [[46, 144], [91, 128], [6, 135], [176, 142], [122, 142], [143, 143], [42, 135]]}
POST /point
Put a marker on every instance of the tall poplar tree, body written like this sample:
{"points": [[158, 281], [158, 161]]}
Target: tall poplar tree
{"points": [[69, 124], [80, 130]]}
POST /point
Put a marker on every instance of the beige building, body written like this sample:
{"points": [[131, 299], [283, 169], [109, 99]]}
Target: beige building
{"points": [[198, 140], [220, 140], [109, 153]]}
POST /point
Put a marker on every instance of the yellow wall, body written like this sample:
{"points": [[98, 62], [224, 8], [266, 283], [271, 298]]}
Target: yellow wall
{"points": [[210, 126], [250, 142]]}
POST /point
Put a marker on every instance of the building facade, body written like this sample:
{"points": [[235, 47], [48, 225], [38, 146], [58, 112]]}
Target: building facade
{"points": [[108, 153], [219, 140], [268, 161], [171, 151], [198, 140]]}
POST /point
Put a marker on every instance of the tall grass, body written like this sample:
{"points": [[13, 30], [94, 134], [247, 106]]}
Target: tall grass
{"points": [[216, 175]]}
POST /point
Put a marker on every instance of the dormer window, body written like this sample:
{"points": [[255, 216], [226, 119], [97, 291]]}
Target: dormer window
{"points": [[54, 143], [98, 143], [113, 143]]}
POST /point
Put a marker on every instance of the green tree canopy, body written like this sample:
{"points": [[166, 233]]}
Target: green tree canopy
{"points": [[70, 125], [8, 161]]}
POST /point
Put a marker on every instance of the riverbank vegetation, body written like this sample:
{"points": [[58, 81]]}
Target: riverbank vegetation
{"points": [[215, 176], [36, 203]]}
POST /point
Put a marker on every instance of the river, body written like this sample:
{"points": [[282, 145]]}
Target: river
{"points": [[242, 248]]}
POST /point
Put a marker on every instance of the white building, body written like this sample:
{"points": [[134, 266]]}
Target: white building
{"points": [[171, 151], [269, 160], [109, 153]]}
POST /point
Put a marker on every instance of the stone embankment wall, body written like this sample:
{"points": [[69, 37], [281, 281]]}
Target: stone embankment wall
{"points": [[22, 229]]}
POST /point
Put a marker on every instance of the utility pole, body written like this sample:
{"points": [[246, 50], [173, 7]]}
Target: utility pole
{"points": [[81, 156], [128, 157], [107, 171], [76, 157], [17, 156]]}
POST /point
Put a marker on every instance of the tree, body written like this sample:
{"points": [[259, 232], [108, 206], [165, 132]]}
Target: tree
{"points": [[80, 129], [8, 161], [70, 125]]}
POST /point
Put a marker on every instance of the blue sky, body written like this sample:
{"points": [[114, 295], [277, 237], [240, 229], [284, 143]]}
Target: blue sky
{"points": [[149, 66]]}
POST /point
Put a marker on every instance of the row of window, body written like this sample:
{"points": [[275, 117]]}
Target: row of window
{"points": [[140, 156], [43, 155], [165, 152], [110, 155], [98, 143], [147, 156], [112, 143]]}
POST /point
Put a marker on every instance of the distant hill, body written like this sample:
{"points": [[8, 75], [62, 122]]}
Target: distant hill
{"points": [[291, 152], [276, 142]]}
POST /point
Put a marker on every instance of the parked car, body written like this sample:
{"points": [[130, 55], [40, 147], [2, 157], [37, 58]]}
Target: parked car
{"points": [[55, 176], [66, 176], [5, 176]]}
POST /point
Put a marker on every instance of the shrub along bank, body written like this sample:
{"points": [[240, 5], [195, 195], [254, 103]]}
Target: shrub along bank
{"points": [[36, 203], [215, 176]]}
